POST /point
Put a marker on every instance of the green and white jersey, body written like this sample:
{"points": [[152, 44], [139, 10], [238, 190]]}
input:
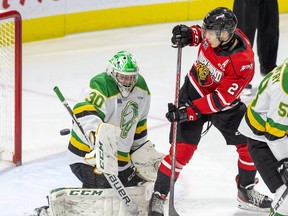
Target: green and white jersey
{"points": [[104, 103], [266, 118]]}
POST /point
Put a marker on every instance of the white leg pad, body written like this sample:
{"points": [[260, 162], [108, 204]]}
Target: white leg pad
{"points": [[97, 202]]}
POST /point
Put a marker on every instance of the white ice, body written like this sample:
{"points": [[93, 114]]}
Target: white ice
{"points": [[205, 187]]}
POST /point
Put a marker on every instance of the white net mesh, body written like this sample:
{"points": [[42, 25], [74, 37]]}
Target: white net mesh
{"points": [[7, 88]]}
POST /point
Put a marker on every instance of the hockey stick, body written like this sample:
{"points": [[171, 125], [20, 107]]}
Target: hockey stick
{"points": [[113, 180], [172, 210], [274, 209]]}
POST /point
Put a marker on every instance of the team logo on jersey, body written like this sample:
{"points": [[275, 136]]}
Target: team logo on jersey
{"points": [[203, 75], [207, 72], [128, 118]]}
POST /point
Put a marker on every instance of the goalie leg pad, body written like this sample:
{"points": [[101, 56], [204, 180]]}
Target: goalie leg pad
{"points": [[146, 160], [96, 202]]}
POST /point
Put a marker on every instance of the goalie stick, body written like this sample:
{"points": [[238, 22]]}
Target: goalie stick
{"points": [[172, 210], [273, 210], [113, 180]]}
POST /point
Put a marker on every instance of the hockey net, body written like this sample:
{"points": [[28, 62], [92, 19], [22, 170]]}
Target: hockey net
{"points": [[10, 86]]}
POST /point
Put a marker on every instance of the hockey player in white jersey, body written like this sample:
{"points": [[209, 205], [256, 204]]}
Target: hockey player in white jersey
{"points": [[113, 114], [119, 97], [266, 126]]}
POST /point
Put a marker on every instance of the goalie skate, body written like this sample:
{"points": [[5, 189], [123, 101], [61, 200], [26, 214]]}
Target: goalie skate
{"points": [[41, 211]]}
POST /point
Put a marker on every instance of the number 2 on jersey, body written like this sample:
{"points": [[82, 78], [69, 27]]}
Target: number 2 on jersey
{"points": [[233, 88]]}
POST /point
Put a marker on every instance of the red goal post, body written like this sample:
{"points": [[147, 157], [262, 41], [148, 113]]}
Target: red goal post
{"points": [[11, 86]]}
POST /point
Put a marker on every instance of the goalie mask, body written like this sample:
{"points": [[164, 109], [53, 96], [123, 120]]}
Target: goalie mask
{"points": [[123, 68]]}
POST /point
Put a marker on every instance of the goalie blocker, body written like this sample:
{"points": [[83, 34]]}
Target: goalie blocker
{"points": [[107, 137]]}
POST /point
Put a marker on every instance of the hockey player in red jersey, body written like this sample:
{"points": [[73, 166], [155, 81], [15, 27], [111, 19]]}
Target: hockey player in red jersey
{"points": [[211, 93]]}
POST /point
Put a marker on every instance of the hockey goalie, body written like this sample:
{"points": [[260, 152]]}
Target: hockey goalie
{"points": [[108, 149]]}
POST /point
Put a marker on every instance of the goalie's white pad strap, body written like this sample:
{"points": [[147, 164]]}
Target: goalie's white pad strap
{"points": [[146, 160], [96, 202], [107, 137], [90, 158]]}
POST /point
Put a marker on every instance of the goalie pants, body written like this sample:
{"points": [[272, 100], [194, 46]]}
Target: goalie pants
{"points": [[85, 173], [262, 15], [189, 135]]}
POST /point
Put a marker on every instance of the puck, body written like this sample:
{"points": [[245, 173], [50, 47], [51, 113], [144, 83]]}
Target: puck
{"points": [[64, 132]]}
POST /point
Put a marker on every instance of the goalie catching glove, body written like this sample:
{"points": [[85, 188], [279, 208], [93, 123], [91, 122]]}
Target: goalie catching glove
{"points": [[146, 160]]}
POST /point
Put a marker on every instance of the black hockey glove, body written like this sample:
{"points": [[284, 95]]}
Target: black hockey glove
{"points": [[186, 112], [283, 170], [129, 177], [184, 35]]}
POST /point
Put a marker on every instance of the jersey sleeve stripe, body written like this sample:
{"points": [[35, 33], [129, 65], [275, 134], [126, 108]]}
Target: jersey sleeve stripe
{"points": [[275, 129], [210, 103], [254, 130], [86, 113], [255, 120], [217, 102], [141, 135], [124, 158], [82, 108], [141, 128], [79, 145], [220, 96]]}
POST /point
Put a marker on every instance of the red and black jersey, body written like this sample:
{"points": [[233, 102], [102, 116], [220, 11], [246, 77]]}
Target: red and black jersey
{"points": [[219, 75]]}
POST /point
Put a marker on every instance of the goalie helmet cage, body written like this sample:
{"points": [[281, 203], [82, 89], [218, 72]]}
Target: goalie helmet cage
{"points": [[11, 86]]}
